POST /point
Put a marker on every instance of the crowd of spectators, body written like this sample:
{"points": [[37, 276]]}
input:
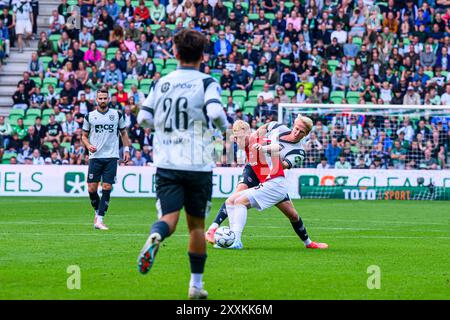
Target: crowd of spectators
{"points": [[263, 53]]}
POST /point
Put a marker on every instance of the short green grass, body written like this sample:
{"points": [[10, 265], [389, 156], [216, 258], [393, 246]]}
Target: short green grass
{"points": [[409, 241]]}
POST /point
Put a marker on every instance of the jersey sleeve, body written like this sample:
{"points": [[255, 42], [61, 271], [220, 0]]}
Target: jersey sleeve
{"points": [[86, 124], [121, 121], [213, 103]]}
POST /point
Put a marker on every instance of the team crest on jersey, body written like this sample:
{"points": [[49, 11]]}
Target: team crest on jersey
{"points": [[111, 117], [165, 87]]}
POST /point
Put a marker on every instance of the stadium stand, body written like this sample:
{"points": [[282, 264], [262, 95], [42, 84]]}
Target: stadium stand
{"points": [[263, 52]]}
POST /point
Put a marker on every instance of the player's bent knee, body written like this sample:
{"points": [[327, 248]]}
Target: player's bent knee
{"points": [[106, 186], [242, 201], [92, 187]]}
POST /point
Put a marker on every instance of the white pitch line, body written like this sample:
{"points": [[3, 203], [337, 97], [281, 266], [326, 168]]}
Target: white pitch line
{"points": [[186, 235], [247, 226]]}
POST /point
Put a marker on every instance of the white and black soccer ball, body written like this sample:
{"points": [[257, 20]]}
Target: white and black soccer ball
{"points": [[224, 237]]}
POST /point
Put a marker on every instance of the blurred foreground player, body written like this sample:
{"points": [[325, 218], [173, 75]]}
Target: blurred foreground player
{"points": [[181, 107]]}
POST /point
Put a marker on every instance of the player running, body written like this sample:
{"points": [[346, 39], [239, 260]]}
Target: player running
{"points": [[256, 171], [101, 129], [181, 107]]}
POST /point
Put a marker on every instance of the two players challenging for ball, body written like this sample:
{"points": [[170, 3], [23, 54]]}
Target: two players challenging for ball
{"points": [[271, 149]]}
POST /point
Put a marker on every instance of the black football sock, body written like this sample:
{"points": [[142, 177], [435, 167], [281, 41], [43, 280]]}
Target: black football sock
{"points": [[95, 200], [300, 229], [160, 227], [197, 262], [104, 202], [222, 215]]}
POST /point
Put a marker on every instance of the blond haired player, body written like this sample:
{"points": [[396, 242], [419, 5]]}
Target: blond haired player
{"points": [[262, 186]]}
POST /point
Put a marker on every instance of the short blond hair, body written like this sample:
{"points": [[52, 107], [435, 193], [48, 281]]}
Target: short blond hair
{"points": [[240, 125], [306, 121]]}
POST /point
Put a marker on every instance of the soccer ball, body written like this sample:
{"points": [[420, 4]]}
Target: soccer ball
{"points": [[224, 237]]}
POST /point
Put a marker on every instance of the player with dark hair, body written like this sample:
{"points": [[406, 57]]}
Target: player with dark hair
{"points": [[101, 130], [181, 107]]}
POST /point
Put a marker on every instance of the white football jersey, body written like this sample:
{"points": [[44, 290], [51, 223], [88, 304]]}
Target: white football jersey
{"points": [[291, 152], [103, 129], [182, 106]]}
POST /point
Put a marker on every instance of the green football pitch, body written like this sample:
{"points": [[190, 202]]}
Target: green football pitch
{"points": [[407, 242]]}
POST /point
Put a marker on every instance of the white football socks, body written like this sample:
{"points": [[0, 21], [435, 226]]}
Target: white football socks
{"points": [[240, 219], [307, 241], [230, 211], [196, 280], [99, 219]]}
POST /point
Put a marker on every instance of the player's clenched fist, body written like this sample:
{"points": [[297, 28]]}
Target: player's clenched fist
{"points": [[92, 148]]}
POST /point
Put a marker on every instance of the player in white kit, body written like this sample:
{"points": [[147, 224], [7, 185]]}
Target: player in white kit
{"points": [[101, 130], [182, 107], [264, 184]]}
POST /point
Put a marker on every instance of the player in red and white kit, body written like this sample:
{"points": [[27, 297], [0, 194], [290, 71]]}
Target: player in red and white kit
{"points": [[264, 184]]}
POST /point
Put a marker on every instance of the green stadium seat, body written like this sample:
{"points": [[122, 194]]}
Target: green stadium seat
{"points": [[269, 16], [37, 80], [258, 84], [240, 93], [290, 93], [249, 110], [216, 76], [49, 80], [47, 112], [136, 146], [250, 104], [289, 5], [336, 100], [45, 60], [429, 73], [444, 73], [17, 113], [352, 94], [357, 41], [253, 16], [171, 63], [286, 62], [33, 113], [171, 27], [7, 157], [29, 121], [167, 70], [224, 100], [353, 100], [339, 94], [239, 100], [225, 93], [229, 5], [145, 85], [332, 65], [253, 94], [155, 27], [128, 83], [55, 38], [66, 145], [45, 120]]}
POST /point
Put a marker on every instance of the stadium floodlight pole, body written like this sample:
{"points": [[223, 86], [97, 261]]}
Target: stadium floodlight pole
{"points": [[349, 107]]}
